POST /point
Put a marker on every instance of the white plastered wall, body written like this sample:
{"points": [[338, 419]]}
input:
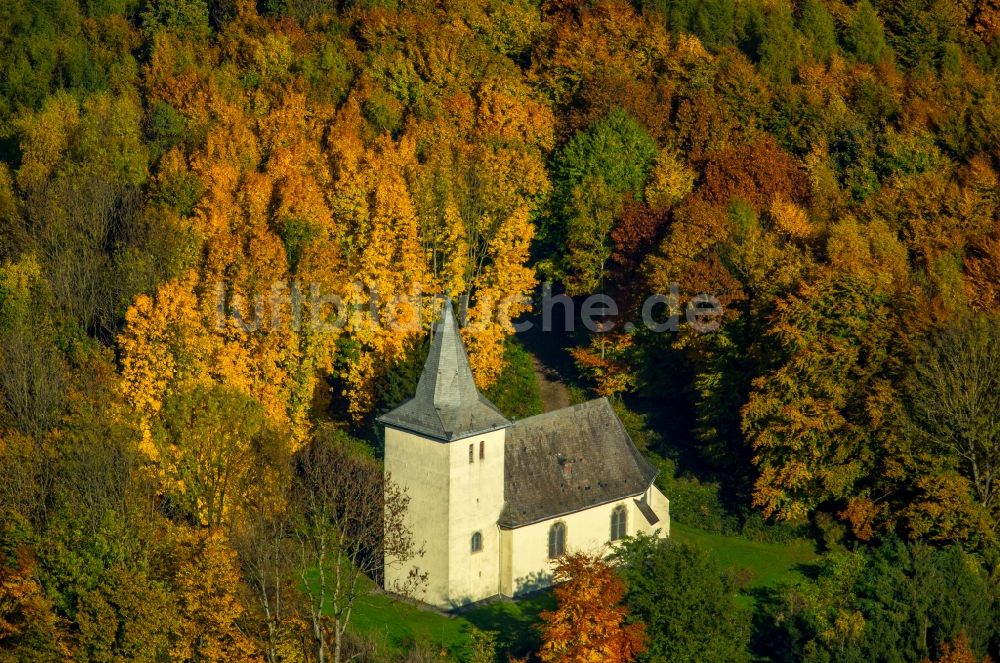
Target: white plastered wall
{"points": [[421, 467], [450, 499], [476, 498], [526, 565]]}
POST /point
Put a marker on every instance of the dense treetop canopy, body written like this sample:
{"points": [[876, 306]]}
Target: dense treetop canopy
{"points": [[217, 219]]}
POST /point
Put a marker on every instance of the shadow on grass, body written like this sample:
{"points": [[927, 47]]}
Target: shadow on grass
{"points": [[810, 570], [514, 622]]}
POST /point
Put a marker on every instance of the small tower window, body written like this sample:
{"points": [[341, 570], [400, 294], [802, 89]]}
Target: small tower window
{"points": [[482, 449], [471, 458], [477, 542], [618, 523], [557, 540]]}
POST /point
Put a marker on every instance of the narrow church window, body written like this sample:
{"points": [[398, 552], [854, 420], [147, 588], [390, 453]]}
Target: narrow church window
{"points": [[618, 523], [477, 542], [470, 453], [482, 449], [557, 540]]}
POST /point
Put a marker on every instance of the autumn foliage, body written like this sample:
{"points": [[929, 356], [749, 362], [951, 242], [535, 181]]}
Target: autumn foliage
{"points": [[589, 624], [225, 226], [958, 652]]}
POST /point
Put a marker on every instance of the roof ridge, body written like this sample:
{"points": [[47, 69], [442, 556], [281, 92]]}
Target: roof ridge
{"points": [[573, 406]]}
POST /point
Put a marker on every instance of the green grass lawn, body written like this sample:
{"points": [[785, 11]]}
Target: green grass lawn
{"points": [[770, 564], [396, 624], [513, 621]]}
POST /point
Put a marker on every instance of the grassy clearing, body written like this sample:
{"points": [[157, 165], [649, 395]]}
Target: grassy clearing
{"points": [[396, 625], [513, 621], [770, 564]]}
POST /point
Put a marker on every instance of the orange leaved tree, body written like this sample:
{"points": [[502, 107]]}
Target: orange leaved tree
{"points": [[958, 651], [590, 623]]}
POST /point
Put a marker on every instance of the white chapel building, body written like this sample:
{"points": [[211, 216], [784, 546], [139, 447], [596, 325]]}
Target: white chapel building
{"points": [[494, 502]]}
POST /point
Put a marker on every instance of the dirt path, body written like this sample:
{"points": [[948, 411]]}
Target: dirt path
{"points": [[551, 387]]}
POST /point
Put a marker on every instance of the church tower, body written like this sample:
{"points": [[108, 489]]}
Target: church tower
{"points": [[445, 446]]}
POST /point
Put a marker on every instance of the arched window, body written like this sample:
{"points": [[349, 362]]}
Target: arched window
{"points": [[477, 542], [482, 449], [557, 540], [618, 523]]}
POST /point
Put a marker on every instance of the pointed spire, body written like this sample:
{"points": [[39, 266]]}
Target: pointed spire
{"points": [[447, 405], [447, 377]]}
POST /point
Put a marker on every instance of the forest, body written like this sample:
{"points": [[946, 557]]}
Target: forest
{"points": [[202, 202]]}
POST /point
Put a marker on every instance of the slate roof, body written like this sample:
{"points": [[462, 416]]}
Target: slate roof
{"points": [[447, 405], [568, 460]]}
